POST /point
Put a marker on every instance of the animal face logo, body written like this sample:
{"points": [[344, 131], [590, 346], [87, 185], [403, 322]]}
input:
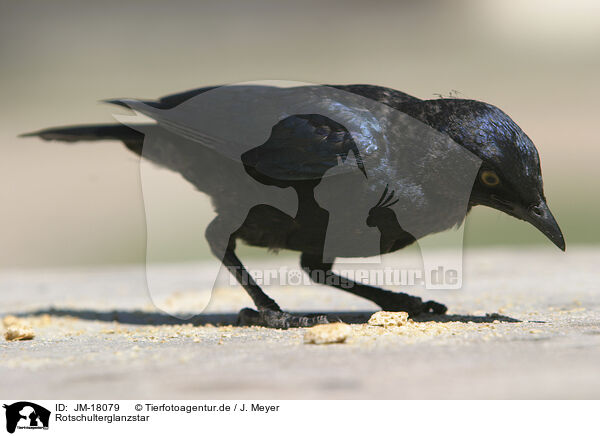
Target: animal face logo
{"points": [[26, 415]]}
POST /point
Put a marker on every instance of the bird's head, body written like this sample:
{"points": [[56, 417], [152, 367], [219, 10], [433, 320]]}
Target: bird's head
{"points": [[510, 177]]}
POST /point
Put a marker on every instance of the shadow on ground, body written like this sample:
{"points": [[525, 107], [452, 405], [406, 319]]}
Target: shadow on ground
{"points": [[139, 317]]}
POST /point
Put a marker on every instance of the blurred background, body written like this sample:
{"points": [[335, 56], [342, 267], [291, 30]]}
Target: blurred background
{"points": [[66, 205]]}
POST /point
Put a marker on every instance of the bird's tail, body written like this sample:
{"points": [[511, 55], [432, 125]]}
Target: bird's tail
{"points": [[133, 139]]}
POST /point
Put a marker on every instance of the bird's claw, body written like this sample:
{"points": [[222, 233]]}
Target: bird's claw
{"points": [[401, 302], [278, 319], [434, 307]]}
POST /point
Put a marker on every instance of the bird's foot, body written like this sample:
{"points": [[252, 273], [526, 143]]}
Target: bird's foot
{"points": [[401, 302], [278, 319]]}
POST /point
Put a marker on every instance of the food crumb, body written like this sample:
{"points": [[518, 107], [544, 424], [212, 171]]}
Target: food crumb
{"points": [[334, 333], [388, 319], [19, 332]]}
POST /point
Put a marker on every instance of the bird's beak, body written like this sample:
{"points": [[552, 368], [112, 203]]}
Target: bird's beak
{"points": [[543, 220]]}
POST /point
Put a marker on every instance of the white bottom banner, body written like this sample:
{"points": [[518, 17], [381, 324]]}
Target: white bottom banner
{"points": [[264, 417]]}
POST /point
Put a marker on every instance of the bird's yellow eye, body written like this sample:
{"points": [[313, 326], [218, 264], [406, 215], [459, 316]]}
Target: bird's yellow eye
{"points": [[490, 178]]}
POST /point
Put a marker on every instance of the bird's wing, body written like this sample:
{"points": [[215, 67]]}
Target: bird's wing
{"points": [[236, 119], [304, 146], [381, 94]]}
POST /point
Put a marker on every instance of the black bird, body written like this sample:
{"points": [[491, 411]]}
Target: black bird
{"points": [[509, 179]]}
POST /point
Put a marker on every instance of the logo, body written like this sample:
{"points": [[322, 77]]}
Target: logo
{"points": [[303, 166], [26, 415]]}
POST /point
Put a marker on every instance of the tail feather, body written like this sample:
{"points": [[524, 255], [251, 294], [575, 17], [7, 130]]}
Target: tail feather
{"points": [[99, 132], [84, 133]]}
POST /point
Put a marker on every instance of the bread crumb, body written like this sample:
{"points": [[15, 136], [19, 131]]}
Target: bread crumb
{"points": [[333, 333], [19, 332], [388, 319]]}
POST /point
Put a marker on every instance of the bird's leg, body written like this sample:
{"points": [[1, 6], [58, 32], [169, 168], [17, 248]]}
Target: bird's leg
{"points": [[320, 272], [269, 314], [235, 267]]}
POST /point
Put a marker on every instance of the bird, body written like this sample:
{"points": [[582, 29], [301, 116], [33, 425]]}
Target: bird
{"points": [[303, 152]]}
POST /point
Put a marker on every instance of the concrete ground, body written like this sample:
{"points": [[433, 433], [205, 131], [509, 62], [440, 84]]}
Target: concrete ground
{"points": [[525, 325]]}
